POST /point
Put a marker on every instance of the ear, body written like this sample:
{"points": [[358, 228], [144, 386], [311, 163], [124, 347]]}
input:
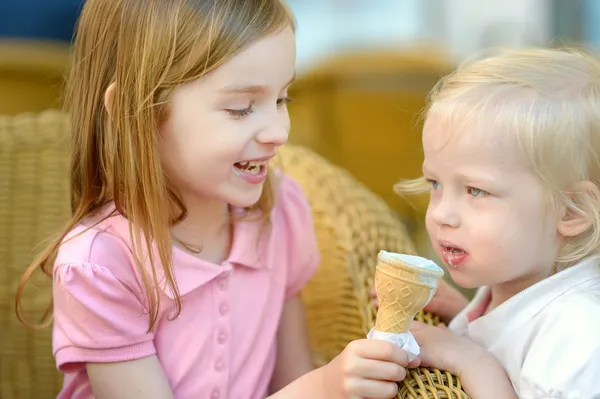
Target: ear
{"points": [[109, 96], [574, 221]]}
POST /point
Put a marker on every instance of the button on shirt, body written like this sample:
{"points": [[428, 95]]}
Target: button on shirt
{"points": [[548, 336], [222, 344]]}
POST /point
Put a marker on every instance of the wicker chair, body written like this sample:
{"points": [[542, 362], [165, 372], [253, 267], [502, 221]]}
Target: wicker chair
{"points": [[351, 223], [34, 203], [31, 75]]}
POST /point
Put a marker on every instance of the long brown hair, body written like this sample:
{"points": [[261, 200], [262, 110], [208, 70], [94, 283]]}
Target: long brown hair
{"points": [[147, 48]]}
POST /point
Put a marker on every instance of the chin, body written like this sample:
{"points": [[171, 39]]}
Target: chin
{"points": [[245, 200], [462, 280]]}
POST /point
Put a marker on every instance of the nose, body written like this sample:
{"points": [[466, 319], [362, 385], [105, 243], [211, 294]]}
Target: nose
{"points": [[276, 129], [444, 212]]}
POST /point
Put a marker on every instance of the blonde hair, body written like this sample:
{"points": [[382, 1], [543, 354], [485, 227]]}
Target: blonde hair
{"points": [[147, 48], [549, 100]]}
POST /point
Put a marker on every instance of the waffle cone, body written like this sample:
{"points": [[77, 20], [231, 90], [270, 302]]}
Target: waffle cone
{"points": [[403, 289]]}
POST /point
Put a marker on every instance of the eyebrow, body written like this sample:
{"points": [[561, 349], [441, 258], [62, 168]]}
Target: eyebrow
{"points": [[476, 178], [253, 89]]}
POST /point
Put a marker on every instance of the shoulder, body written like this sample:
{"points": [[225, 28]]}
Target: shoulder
{"points": [[293, 228], [100, 310], [574, 314], [289, 194], [564, 355], [292, 208], [103, 243]]}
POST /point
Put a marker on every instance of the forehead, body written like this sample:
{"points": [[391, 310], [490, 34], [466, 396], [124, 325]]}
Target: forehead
{"points": [[269, 61], [470, 144]]}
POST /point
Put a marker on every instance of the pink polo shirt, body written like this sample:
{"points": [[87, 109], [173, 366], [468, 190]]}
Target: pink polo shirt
{"points": [[223, 343]]}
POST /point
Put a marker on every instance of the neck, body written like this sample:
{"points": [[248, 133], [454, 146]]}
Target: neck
{"points": [[504, 291], [207, 221]]}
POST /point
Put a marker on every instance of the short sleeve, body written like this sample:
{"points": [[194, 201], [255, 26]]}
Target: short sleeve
{"points": [[98, 317], [563, 360], [304, 254]]}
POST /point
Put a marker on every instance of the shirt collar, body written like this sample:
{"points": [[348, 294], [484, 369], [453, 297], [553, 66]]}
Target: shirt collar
{"points": [[250, 243], [249, 249]]}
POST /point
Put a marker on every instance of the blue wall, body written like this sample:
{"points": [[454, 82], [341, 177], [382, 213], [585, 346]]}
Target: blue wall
{"points": [[47, 19]]}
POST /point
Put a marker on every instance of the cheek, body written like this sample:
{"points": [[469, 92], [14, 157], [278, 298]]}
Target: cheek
{"points": [[431, 226], [499, 230], [169, 148], [195, 144], [513, 234], [183, 153]]}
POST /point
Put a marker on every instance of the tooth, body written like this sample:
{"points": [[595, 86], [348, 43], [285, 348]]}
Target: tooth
{"points": [[243, 163]]}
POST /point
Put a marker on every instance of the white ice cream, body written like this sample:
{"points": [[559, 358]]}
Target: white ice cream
{"points": [[418, 261], [430, 278]]}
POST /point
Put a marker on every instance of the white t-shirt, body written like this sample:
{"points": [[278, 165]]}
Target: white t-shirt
{"points": [[548, 336]]}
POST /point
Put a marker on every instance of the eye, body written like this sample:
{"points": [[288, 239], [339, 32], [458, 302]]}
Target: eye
{"points": [[283, 101], [240, 113], [476, 192], [435, 185]]}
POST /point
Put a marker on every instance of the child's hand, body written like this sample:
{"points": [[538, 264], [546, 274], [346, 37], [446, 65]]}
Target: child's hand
{"points": [[480, 372], [367, 368], [443, 349], [446, 303]]}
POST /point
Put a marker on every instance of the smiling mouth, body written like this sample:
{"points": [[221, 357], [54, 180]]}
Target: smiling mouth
{"points": [[251, 167]]}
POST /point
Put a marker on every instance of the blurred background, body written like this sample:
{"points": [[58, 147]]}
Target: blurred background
{"points": [[364, 69]]}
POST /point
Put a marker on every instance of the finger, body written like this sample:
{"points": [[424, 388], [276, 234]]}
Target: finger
{"points": [[361, 388], [376, 349], [429, 359], [416, 362], [418, 326], [423, 335], [437, 307], [442, 325], [375, 369]]}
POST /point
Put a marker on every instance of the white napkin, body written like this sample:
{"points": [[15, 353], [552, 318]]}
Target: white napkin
{"points": [[406, 341]]}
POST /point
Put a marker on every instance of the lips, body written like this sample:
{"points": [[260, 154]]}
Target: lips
{"points": [[452, 254], [252, 171]]}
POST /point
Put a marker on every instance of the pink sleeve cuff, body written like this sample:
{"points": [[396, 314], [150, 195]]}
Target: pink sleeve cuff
{"points": [[70, 356]]}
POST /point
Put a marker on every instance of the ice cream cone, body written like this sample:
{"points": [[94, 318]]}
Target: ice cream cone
{"points": [[404, 285]]}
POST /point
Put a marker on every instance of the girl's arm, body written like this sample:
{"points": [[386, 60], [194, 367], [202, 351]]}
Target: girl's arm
{"points": [[293, 349], [142, 378], [367, 368]]}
